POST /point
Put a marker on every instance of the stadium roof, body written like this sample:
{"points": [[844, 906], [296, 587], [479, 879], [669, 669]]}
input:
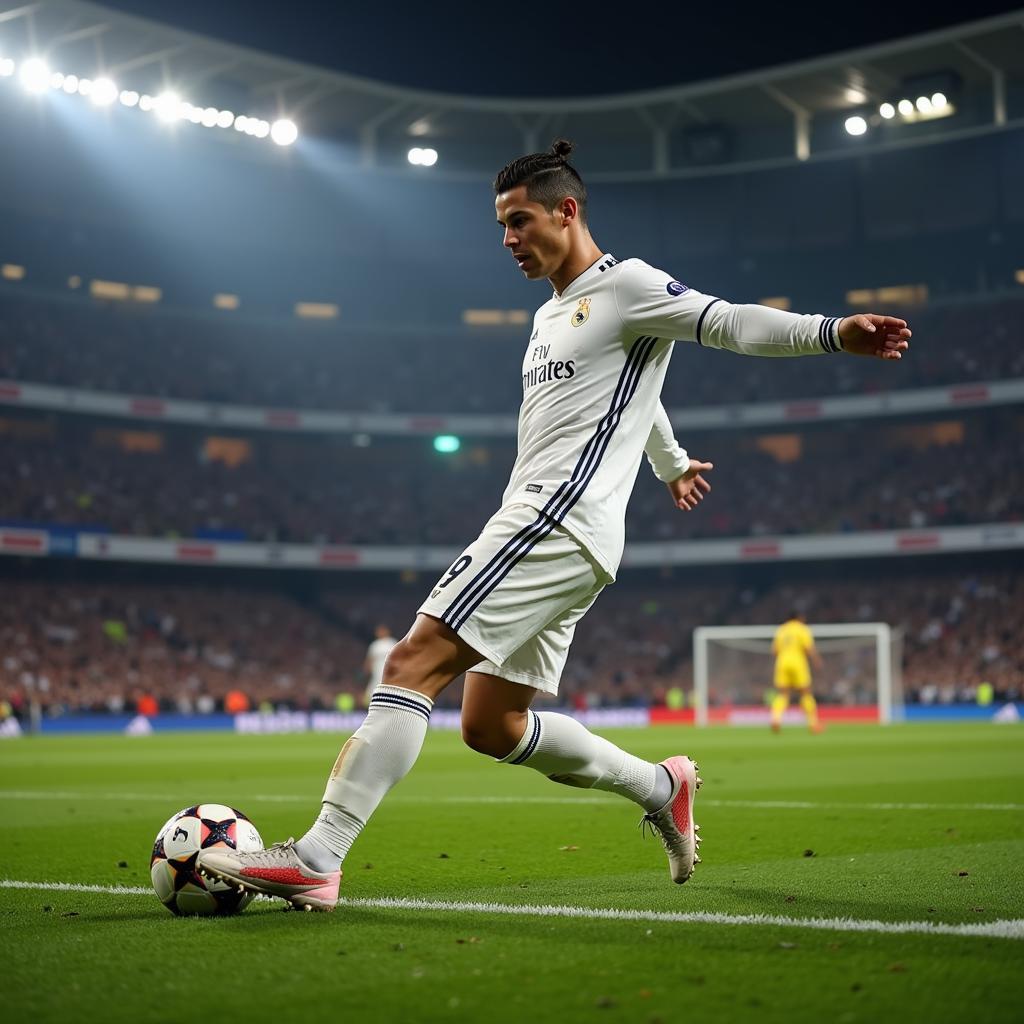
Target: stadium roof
{"points": [[769, 117]]}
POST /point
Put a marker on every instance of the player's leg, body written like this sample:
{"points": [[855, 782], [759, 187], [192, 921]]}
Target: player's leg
{"points": [[371, 762], [497, 721], [781, 699], [810, 707]]}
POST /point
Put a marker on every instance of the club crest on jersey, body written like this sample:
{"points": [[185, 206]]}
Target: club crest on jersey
{"points": [[675, 288], [582, 313]]}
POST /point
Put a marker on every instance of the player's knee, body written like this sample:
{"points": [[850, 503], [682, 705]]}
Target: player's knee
{"points": [[413, 658]]}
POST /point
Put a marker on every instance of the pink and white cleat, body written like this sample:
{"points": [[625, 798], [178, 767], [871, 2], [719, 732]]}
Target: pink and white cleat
{"points": [[674, 823], [277, 871]]}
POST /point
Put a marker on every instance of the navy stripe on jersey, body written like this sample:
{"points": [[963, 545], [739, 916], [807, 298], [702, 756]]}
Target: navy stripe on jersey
{"points": [[700, 319], [567, 494], [531, 746], [825, 339], [588, 463], [394, 700]]}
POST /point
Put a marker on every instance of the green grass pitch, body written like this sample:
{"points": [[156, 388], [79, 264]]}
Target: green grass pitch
{"points": [[862, 828]]}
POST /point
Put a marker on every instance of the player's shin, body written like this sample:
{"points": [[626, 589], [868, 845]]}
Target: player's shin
{"points": [[566, 752], [376, 757], [810, 706]]}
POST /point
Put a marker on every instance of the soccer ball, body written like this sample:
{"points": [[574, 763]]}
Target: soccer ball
{"points": [[182, 890]]}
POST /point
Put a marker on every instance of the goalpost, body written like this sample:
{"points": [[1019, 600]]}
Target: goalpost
{"points": [[733, 668]]}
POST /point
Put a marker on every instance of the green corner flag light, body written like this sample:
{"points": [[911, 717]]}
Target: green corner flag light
{"points": [[446, 444]]}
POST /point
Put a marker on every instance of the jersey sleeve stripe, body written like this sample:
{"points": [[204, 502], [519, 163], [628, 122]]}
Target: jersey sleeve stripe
{"points": [[700, 320]]}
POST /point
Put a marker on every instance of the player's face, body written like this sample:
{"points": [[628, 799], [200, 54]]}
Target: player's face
{"points": [[537, 238]]}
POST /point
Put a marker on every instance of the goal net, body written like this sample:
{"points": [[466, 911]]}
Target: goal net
{"points": [[733, 670]]}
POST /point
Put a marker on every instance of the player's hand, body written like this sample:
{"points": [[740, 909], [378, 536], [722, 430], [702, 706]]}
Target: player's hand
{"points": [[869, 334], [689, 489]]}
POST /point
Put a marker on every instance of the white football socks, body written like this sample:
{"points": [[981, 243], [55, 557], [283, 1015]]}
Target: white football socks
{"points": [[377, 755], [567, 752]]}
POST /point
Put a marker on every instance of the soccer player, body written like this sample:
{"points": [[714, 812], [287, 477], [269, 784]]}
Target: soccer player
{"points": [[792, 646], [376, 655], [505, 612]]}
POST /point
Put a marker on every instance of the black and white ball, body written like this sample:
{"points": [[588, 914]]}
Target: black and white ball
{"points": [[182, 890]]}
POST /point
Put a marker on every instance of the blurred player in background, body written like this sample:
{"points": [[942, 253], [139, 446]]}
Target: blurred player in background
{"points": [[506, 611], [376, 654], [793, 646]]}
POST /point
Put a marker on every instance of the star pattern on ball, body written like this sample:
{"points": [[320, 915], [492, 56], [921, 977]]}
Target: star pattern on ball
{"points": [[219, 832], [184, 871]]}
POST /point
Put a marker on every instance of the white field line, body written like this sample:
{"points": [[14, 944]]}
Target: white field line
{"points": [[311, 799], [1005, 929]]}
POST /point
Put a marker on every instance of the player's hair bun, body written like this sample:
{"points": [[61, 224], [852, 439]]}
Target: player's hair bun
{"points": [[562, 148]]}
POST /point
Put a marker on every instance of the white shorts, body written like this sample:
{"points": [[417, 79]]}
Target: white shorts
{"points": [[515, 595]]}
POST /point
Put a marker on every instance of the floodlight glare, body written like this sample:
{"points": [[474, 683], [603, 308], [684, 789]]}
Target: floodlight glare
{"points": [[261, 129], [415, 155], [104, 92], [856, 125], [225, 119], [56, 80], [284, 132], [905, 107], [241, 123], [129, 98], [428, 157], [168, 106], [924, 104], [6, 67], [70, 84], [938, 100], [35, 75], [208, 118], [145, 102], [85, 87], [887, 110]]}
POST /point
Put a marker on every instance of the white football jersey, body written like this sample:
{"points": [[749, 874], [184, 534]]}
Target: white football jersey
{"points": [[592, 377]]}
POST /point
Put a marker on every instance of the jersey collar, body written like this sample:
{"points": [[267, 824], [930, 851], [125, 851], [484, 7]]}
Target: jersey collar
{"points": [[594, 270]]}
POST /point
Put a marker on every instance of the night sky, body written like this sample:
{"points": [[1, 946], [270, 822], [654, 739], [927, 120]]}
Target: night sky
{"points": [[549, 47]]}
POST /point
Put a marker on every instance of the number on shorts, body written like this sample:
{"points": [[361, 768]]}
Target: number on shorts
{"points": [[460, 566]]}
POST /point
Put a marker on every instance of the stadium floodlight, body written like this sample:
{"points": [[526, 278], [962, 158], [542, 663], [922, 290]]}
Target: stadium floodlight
{"points": [[241, 123], [104, 92], [924, 104], [415, 156], [34, 75], [225, 119], [145, 101], [208, 117], [856, 125], [85, 87], [70, 84], [905, 107], [429, 157], [168, 107], [261, 129], [6, 67], [130, 98], [284, 132], [190, 113], [939, 100], [887, 110], [57, 80]]}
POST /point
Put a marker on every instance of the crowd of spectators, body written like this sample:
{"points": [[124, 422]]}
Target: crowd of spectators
{"points": [[148, 351], [119, 648], [326, 491]]}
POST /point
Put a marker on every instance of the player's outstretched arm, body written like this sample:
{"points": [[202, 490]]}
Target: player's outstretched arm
{"points": [[871, 334]]}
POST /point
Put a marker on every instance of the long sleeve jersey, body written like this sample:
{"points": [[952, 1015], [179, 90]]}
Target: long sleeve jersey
{"points": [[592, 377]]}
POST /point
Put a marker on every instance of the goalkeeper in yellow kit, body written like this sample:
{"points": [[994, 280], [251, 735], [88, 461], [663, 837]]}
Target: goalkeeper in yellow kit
{"points": [[792, 646]]}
